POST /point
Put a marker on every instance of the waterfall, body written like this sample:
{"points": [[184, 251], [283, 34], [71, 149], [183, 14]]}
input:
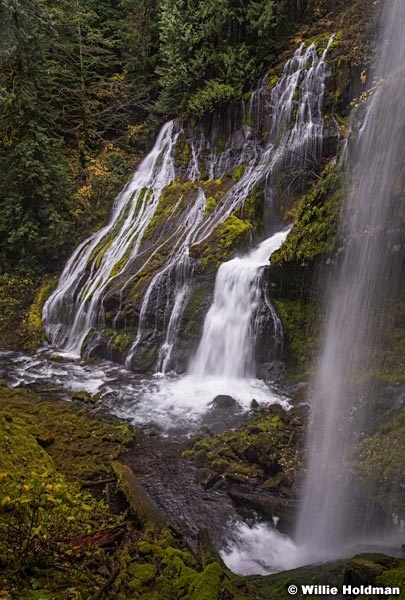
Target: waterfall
{"points": [[75, 306], [331, 513], [227, 343], [286, 128]]}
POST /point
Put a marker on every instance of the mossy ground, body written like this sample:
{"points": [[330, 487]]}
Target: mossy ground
{"points": [[47, 519], [51, 448], [58, 541]]}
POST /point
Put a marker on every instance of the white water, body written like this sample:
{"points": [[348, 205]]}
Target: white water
{"points": [[333, 521], [75, 306], [227, 344], [291, 131], [262, 549], [176, 405]]}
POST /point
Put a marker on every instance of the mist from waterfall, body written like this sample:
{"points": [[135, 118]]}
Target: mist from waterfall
{"points": [[334, 520], [332, 514]]}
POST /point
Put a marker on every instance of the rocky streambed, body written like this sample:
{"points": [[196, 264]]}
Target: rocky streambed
{"points": [[131, 513]]}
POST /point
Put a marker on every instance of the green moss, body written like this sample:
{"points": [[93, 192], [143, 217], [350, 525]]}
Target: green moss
{"points": [[273, 79], [368, 569], [33, 324], [238, 172], [186, 155], [394, 578], [182, 152], [46, 521], [99, 252], [20, 451], [381, 463], [301, 330], [252, 208], [231, 235], [208, 584], [245, 473], [121, 341], [315, 223], [144, 573], [173, 199], [210, 205], [268, 444], [118, 266], [79, 446], [389, 357]]}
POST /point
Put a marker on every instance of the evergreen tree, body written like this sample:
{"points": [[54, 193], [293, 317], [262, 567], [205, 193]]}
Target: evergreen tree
{"points": [[34, 183]]}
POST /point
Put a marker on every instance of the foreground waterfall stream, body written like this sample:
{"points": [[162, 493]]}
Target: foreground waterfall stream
{"points": [[125, 291]]}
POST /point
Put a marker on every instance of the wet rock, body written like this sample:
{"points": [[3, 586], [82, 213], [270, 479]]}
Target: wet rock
{"points": [[171, 482], [276, 410], [265, 502], [223, 401], [83, 396], [264, 455], [274, 371], [206, 478]]}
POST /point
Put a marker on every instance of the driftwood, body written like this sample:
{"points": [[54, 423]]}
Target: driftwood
{"points": [[140, 502], [99, 539]]}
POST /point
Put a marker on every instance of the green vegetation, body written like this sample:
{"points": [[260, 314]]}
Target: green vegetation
{"points": [[315, 222], [266, 453], [49, 450], [301, 329], [231, 235], [381, 462]]}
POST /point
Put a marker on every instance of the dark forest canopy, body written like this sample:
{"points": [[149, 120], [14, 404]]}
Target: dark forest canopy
{"points": [[80, 77]]}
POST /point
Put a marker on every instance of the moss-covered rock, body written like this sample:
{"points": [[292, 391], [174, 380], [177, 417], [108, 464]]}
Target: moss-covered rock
{"points": [[301, 331], [231, 235], [265, 454], [381, 471], [315, 223], [365, 569]]}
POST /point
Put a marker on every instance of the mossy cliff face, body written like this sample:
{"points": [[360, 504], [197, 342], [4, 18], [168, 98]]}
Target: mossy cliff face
{"points": [[308, 194], [224, 132], [381, 472]]}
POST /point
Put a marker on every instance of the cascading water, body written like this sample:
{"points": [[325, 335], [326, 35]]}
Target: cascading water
{"points": [[75, 306], [287, 127], [227, 344], [333, 520], [331, 514]]}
